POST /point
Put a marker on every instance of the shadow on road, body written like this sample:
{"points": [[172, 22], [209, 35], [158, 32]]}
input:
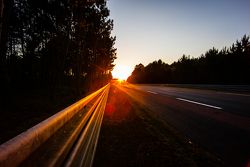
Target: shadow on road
{"points": [[130, 137]]}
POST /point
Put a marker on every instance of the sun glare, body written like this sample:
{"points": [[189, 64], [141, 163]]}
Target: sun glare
{"points": [[121, 72]]}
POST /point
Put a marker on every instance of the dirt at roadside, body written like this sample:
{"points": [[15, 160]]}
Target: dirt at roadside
{"points": [[131, 137], [25, 109]]}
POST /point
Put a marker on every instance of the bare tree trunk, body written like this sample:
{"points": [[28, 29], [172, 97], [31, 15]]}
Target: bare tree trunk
{"points": [[5, 9], [1, 16]]}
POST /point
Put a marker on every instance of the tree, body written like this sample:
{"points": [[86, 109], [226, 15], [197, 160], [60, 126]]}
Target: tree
{"points": [[227, 66], [53, 44]]}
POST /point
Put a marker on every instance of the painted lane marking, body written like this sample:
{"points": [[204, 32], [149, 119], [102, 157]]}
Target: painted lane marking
{"points": [[152, 92], [207, 105], [236, 94]]}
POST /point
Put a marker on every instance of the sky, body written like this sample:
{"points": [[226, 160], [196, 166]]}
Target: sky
{"points": [[148, 30]]}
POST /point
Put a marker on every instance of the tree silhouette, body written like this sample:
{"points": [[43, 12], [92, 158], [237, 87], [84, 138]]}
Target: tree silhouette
{"points": [[225, 66], [53, 44]]}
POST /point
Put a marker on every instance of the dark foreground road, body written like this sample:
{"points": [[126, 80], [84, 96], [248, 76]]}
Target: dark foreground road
{"points": [[218, 121], [131, 136], [162, 126]]}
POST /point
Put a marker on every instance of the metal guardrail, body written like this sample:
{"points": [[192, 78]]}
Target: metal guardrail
{"points": [[77, 149]]}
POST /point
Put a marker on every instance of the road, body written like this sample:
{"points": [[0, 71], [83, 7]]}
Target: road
{"points": [[217, 121]]}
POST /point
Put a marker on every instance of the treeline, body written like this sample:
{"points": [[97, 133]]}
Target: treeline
{"points": [[51, 44], [227, 66]]}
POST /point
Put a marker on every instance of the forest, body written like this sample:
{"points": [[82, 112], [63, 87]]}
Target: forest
{"points": [[52, 45], [226, 66], [52, 53]]}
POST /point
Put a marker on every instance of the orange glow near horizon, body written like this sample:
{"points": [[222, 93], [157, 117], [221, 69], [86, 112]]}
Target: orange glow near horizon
{"points": [[121, 72]]}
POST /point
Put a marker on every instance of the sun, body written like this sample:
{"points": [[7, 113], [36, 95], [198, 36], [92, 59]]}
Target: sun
{"points": [[121, 72]]}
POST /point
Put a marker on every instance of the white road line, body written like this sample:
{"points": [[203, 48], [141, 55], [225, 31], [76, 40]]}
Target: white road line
{"points": [[152, 92], [207, 105], [236, 94]]}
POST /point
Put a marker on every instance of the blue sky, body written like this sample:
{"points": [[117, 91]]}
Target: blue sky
{"points": [[148, 30]]}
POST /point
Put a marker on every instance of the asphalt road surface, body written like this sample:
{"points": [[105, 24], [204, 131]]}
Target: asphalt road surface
{"points": [[217, 121]]}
